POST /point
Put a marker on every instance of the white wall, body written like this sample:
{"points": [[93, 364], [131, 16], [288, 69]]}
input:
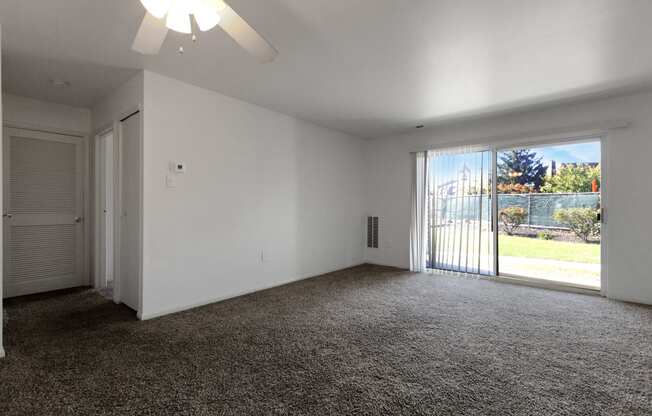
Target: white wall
{"points": [[2, 351], [116, 105], [628, 191], [257, 181], [28, 112]]}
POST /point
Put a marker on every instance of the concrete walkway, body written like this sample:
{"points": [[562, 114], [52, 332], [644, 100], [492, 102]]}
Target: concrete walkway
{"points": [[585, 274]]}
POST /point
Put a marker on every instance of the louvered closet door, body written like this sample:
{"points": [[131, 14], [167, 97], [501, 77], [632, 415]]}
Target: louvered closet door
{"points": [[43, 207]]}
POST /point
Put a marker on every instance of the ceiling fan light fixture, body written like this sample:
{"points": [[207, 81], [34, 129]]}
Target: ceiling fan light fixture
{"points": [[207, 19], [219, 5], [208, 13], [178, 20], [157, 8]]}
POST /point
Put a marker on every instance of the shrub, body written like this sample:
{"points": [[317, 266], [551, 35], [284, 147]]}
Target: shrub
{"points": [[545, 235], [512, 218], [582, 221], [515, 188]]}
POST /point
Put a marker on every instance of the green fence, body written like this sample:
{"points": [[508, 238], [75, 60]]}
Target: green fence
{"points": [[540, 207]]}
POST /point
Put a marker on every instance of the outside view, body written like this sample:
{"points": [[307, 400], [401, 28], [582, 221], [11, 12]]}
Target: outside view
{"points": [[460, 235], [548, 206]]}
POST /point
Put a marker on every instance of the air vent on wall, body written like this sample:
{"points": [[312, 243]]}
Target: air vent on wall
{"points": [[372, 232]]}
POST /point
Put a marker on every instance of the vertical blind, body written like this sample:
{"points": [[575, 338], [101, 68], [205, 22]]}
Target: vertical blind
{"points": [[419, 208], [459, 235]]}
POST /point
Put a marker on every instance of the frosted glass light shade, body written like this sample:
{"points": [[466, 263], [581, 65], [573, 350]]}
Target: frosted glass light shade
{"points": [[206, 16], [178, 20], [157, 8]]}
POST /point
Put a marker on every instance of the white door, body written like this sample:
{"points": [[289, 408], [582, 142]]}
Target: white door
{"points": [[130, 192], [43, 233], [104, 163]]}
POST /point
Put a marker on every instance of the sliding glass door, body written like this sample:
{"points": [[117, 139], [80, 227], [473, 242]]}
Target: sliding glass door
{"points": [[549, 213], [539, 221], [459, 220]]}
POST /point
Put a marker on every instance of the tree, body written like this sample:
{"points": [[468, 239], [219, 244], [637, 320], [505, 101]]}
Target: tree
{"points": [[572, 179], [521, 166]]}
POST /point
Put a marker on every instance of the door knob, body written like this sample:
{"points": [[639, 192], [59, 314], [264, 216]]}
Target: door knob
{"points": [[78, 219], [8, 215]]}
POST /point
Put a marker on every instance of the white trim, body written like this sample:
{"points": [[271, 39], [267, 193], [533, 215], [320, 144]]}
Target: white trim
{"points": [[48, 135], [580, 137], [535, 280], [117, 164], [556, 135], [403, 267], [503, 279], [106, 129], [116, 127], [86, 181], [571, 136], [604, 203], [44, 129], [520, 281], [236, 295], [141, 202], [524, 281], [96, 215], [117, 208], [117, 296], [495, 225], [2, 352], [117, 199], [86, 206], [99, 236], [600, 138], [84, 166]]}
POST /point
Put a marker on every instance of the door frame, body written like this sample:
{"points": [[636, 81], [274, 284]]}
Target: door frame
{"points": [[118, 198], [99, 177], [570, 139], [85, 187], [113, 127], [116, 127], [588, 132]]}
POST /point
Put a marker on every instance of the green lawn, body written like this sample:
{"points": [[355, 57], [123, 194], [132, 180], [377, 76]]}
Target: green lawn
{"points": [[548, 249]]}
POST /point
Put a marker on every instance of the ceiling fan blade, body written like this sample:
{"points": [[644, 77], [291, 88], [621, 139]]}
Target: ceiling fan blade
{"points": [[246, 36], [150, 36]]}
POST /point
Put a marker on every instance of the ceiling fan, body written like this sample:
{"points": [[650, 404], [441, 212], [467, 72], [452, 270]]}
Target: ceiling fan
{"points": [[164, 15]]}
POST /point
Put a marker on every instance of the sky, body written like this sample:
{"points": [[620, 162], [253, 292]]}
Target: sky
{"points": [[570, 153], [449, 167]]}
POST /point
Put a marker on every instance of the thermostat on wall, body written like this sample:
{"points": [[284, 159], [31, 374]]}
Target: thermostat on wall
{"points": [[178, 167]]}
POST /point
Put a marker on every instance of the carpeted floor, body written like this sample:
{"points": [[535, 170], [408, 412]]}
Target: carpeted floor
{"points": [[364, 341]]}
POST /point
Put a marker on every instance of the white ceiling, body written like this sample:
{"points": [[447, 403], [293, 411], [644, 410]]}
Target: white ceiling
{"points": [[367, 67]]}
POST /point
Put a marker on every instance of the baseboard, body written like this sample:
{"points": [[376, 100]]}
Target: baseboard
{"points": [[630, 299], [146, 317], [2, 352], [390, 266]]}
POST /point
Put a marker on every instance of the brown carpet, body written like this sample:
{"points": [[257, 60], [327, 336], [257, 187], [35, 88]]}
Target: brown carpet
{"points": [[364, 341]]}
